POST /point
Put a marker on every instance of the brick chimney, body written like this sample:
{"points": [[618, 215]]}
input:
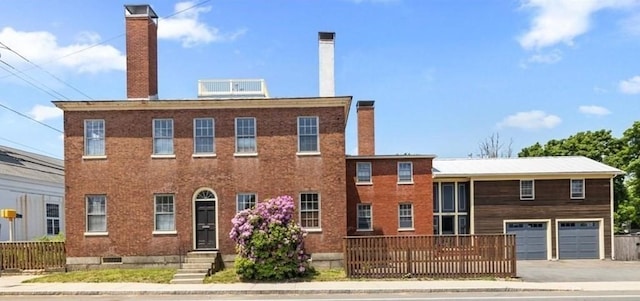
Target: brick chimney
{"points": [[325, 56], [142, 52], [366, 128]]}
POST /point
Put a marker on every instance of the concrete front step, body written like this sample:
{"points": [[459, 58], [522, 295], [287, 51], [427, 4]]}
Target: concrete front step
{"points": [[200, 259], [191, 275], [206, 254], [200, 266]]}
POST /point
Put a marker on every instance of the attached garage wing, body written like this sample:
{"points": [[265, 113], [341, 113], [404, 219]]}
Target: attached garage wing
{"points": [[578, 240], [531, 239]]}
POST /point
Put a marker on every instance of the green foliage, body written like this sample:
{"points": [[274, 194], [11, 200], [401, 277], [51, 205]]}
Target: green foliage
{"points": [[622, 153], [56, 238]]}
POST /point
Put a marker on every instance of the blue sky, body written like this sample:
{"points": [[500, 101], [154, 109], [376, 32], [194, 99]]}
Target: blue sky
{"points": [[445, 75]]}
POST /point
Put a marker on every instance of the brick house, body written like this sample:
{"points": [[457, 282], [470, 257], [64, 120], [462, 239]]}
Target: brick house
{"points": [[149, 179]]}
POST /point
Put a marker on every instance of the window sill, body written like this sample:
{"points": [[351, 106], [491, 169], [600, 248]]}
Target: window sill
{"points": [[245, 154], [306, 154], [96, 233], [364, 230], [578, 198], [173, 156], [204, 155], [164, 232], [527, 199], [312, 230], [405, 183], [364, 183], [406, 229], [92, 157]]}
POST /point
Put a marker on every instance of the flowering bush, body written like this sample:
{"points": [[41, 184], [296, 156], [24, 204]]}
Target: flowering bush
{"points": [[270, 245]]}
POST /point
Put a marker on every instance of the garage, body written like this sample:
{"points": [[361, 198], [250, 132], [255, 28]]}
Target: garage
{"points": [[531, 239], [578, 240]]}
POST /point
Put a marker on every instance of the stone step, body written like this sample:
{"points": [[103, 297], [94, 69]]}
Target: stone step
{"points": [[191, 275], [200, 260], [187, 281], [207, 254], [199, 266], [193, 271]]}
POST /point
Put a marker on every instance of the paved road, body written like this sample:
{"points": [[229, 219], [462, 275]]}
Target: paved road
{"points": [[578, 270]]}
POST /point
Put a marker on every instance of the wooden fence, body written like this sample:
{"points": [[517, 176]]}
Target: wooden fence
{"points": [[627, 247], [31, 255], [463, 256]]}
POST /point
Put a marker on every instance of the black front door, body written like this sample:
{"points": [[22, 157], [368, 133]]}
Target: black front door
{"points": [[206, 225]]}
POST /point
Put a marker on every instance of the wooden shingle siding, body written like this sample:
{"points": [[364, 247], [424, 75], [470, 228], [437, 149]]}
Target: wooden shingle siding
{"points": [[496, 201]]}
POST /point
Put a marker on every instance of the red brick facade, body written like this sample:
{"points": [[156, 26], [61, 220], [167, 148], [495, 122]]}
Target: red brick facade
{"points": [[129, 176], [366, 129], [385, 194], [142, 56]]}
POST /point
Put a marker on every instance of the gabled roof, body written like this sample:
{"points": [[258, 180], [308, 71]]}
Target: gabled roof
{"points": [[530, 166], [23, 164]]}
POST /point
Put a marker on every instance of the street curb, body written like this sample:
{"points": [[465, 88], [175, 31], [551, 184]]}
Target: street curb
{"points": [[280, 292]]}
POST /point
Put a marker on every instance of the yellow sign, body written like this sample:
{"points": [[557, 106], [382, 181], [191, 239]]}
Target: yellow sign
{"points": [[8, 213]]}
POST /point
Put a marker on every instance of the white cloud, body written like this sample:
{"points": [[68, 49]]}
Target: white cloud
{"points": [[594, 110], [42, 47], [531, 120], [630, 86], [560, 21], [546, 58], [188, 29], [42, 113]]}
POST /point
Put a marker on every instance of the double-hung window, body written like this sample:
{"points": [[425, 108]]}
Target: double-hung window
{"points": [[577, 188], [163, 136], [527, 190], [96, 213], [246, 135], [165, 214], [203, 136], [308, 134], [364, 217], [405, 172], [363, 170], [405, 216], [245, 201], [94, 137], [310, 210], [53, 219]]}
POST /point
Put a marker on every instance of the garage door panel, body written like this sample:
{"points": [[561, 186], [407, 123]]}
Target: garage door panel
{"points": [[531, 240], [579, 240]]}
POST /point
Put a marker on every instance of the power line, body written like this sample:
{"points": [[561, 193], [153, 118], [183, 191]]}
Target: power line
{"points": [[30, 82], [29, 147], [30, 118]]}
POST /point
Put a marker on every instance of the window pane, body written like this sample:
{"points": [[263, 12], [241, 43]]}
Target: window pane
{"points": [[309, 210], [203, 135], [364, 217], [308, 134], [245, 135], [436, 197], [462, 197], [364, 172], [526, 189], [405, 172], [165, 214], [94, 137], [436, 225], [245, 201], [448, 195], [447, 224], [163, 136], [405, 216], [463, 228], [577, 188]]}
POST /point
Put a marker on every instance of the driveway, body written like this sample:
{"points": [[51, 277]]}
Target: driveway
{"points": [[578, 270]]}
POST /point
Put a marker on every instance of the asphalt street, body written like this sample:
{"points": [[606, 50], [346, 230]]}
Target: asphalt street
{"points": [[578, 271]]}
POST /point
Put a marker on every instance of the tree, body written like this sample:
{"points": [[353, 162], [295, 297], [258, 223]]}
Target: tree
{"points": [[492, 147], [270, 245]]}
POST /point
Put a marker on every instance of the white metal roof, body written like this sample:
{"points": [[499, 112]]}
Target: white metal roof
{"points": [[520, 166], [19, 163]]}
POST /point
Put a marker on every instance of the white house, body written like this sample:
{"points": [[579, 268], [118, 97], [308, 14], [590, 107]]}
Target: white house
{"points": [[33, 185]]}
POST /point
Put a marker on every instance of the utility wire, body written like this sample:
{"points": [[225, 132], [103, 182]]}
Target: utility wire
{"points": [[29, 147], [30, 118], [59, 95]]}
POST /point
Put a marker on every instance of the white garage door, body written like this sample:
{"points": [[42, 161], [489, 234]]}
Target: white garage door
{"points": [[531, 240], [578, 240]]}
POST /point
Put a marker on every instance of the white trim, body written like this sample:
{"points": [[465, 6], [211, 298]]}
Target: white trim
{"points": [[255, 137], [96, 233], [600, 233], [155, 212], [533, 190], [255, 199], [309, 154], [104, 138], [194, 242], [153, 138], [398, 172], [245, 154], [201, 155], [611, 226], [313, 152], [547, 221], [472, 212], [370, 182], [86, 213], [584, 189], [370, 217], [213, 129], [164, 232], [412, 217], [153, 156], [310, 229]]}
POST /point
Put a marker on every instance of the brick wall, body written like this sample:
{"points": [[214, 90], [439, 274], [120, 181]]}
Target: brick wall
{"points": [[130, 177], [142, 57], [385, 194]]}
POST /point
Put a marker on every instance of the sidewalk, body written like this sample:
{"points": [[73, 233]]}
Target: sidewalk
{"points": [[12, 285]]}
